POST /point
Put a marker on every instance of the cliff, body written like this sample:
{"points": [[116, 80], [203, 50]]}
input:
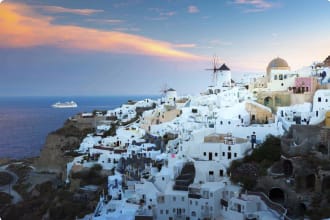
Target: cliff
{"points": [[54, 155]]}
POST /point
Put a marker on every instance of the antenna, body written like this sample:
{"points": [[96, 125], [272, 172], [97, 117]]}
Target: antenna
{"points": [[215, 69]]}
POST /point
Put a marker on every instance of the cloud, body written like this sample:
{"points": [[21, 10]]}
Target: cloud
{"points": [[184, 45], [221, 43], [105, 21], [161, 14], [58, 9], [127, 29], [167, 14], [128, 3], [255, 5], [193, 9], [22, 27], [275, 35]]}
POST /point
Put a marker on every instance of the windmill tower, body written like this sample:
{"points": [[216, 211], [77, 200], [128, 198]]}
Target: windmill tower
{"points": [[164, 89], [215, 69]]}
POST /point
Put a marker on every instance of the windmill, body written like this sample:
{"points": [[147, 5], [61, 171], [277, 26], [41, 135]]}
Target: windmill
{"points": [[215, 69], [164, 89]]}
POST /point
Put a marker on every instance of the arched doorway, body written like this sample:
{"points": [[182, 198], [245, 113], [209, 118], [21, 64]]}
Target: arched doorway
{"points": [[310, 181], [268, 101], [287, 167], [322, 148], [326, 183], [302, 208], [277, 195]]}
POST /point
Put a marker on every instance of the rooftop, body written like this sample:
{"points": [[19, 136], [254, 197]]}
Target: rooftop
{"points": [[224, 138]]}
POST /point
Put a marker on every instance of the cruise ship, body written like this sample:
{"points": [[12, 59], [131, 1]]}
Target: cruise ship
{"points": [[71, 104]]}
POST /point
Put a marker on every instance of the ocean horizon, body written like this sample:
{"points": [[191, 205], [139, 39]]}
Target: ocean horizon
{"points": [[25, 121]]}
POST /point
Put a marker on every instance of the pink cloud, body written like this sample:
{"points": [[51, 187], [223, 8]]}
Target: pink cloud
{"points": [[105, 21], [58, 9], [184, 45], [22, 27], [257, 5], [193, 9]]}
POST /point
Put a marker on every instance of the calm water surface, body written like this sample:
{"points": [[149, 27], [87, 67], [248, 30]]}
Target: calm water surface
{"points": [[26, 121]]}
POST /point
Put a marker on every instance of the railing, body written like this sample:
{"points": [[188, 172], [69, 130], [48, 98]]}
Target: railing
{"points": [[273, 205]]}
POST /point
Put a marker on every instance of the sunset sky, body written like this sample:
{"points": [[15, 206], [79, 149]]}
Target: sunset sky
{"points": [[134, 47]]}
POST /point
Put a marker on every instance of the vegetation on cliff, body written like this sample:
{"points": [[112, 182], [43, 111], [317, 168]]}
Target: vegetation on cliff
{"points": [[247, 170]]}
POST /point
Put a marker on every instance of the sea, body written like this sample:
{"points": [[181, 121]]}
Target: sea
{"points": [[25, 122]]}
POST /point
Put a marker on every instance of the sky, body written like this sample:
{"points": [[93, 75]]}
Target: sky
{"points": [[139, 47]]}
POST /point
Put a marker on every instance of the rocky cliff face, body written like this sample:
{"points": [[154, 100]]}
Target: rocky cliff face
{"points": [[53, 156]]}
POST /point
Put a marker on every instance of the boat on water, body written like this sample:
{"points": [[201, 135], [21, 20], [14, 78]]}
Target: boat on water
{"points": [[71, 104]]}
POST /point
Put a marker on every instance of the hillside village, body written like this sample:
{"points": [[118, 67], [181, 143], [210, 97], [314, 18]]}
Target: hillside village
{"points": [[257, 149]]}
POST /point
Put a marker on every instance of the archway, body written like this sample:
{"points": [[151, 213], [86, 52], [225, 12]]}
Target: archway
{"points": [[268, 101], [322, 148], [302, 208], [277, 195], [326, 183], [287, 167], [310, 181]]}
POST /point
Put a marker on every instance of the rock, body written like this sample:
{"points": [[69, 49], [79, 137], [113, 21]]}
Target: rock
{"points": [[67, 138], [35, 193], [51, 156]]}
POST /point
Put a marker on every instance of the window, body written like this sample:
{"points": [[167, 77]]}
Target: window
{"points": [[285, 76], [229, 148], [196, 202], [326, 100], [216, 154], [204, 153], [282, 84], [221, 173], [229, 122], [161, 211], [223, 154], [221, 122], [319, 99], [174, 210], [211, 194], [235, 154], [190, 202], [163, 178], [193, 213], [182, 199], [280, 77], [275, 77], [174, 198], [166, 211]]}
